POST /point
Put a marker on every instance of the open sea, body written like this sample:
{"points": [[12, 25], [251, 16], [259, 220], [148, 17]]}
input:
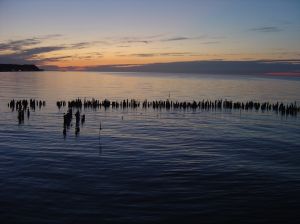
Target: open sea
{"points": [[149, 165]]}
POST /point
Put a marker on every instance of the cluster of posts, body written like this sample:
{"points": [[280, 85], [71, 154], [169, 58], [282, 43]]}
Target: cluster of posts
{"points": [[24, 106], [68, 119], [79, 104]]}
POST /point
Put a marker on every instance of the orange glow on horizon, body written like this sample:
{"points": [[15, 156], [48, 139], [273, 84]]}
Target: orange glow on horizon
{"points": [[124, 60]]}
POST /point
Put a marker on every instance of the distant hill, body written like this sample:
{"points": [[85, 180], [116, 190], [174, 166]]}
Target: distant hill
{"points": [[18, 68], [209, 67]]}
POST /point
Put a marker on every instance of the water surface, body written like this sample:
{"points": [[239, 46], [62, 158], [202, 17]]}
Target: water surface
{"points": [[153, 165]]}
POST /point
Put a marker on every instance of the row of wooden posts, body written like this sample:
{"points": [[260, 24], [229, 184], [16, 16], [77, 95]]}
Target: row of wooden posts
{"points": [[279, 107], [24, 106]]}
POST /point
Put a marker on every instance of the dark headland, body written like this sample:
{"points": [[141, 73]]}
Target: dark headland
{"points": [[19, 68]]}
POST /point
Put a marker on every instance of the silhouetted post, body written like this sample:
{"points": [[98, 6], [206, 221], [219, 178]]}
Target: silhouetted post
{"points": [[82, 119], [65, 132], [100, 128]]}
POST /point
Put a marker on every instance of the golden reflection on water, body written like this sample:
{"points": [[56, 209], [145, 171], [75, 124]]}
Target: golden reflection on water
{"points": [[53, 86]]}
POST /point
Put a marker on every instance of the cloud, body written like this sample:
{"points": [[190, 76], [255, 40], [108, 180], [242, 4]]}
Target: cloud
{"points": [[26, 50], [211, 42], [130, 40], [158, 38], [164, 54], [26, 46], [18, 45], [53, 59], [82, 45], [38, 50], [126, 41], [201, 37], [144, 55], [266, 29], [141, 39], [30, 56], [90, 56], [29, 50], [64, 57], [176, 54], [182, 38], [175, 39]]}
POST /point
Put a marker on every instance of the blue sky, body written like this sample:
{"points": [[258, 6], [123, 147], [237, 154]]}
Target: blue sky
{"points": [[90, 32]]}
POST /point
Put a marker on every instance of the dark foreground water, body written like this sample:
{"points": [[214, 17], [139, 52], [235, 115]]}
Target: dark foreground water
{"points": [[152, 166]]}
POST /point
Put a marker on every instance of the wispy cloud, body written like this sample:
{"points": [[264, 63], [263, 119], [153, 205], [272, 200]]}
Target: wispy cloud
{"points": [[211, 42], [163, 54], [209, 39], [176, 54], [39, 50], [18, 45], [28, 45], [130, 40], [31, 50], [138, 39], [266, 29], [80, 45], [86, 44], [55, 58], [31, 55], [89, 56], [176, 39], [143, 55], [184, 38], [159, 38]]}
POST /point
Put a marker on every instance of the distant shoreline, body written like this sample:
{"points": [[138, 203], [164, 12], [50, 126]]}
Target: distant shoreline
{"points": [[19, 68]]}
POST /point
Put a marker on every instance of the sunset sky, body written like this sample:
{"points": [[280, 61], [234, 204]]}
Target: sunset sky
{"points": [[88, 33]]}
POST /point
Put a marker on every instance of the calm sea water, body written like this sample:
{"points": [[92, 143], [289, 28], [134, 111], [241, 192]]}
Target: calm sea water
{"points": [[152, 166]]}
